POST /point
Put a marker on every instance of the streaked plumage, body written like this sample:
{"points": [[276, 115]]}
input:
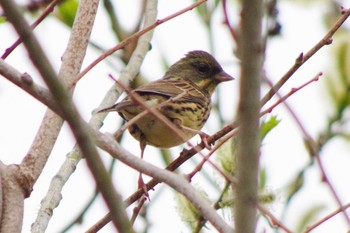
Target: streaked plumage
{"points": [[197, 74]]}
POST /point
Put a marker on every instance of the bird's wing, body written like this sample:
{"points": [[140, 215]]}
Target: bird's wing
{"points": [[164, 89], [172, 87]]}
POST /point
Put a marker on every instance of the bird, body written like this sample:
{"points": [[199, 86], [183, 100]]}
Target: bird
{"points": [[182, 96]]}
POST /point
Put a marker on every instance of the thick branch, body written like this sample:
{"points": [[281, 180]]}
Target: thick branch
{"points": [[175, 181], [73, 57], [52, 198], [326, 40], [12, 200], [251, 51]]}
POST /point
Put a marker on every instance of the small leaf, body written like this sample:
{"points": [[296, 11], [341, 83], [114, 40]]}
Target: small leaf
{"points": [[188, 212], [66, 12], [338, 80], [267, 125]]}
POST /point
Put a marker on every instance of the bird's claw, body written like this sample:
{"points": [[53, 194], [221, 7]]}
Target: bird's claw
{"points": [[204, 138], [143, 186]]}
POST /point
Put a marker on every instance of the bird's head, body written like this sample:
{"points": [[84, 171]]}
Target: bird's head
{"points": [[201, 68]]}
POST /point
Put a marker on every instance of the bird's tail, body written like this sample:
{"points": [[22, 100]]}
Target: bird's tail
{"points": [[108, 109]]}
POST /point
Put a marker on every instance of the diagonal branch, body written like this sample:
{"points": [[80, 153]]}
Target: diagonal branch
{"points": [[64, 101], [135, 36], [45, 13], [52, 198], [302, 58]]}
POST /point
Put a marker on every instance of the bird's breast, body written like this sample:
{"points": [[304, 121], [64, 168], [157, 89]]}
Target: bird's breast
{"points": [[190, 114]]}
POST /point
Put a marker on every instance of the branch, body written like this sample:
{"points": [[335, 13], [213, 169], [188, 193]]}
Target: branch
{"points": [[282, 99], [313, 148], [273, 219], [63, 97], [178, 182], [74, 57], [251, 53], [135, 36], [326, 40], [52, 198], [227, 21], [25, 82], [43, 15], [323, 220], [12, 200]]}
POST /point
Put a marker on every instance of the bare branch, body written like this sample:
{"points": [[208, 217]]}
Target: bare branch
{"points": [[323, 220], [301, 59], [43, 15], [282, 99], [74, 57], [12, 199], [135, 36], [26, 82], [178, 182], [251, 53], [52, 198]]}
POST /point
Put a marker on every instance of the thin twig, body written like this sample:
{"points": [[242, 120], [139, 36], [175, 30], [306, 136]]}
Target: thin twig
{"points": [[134, 37], [326, 40], [323, 220], [227, 21], [138, 208], [282, 99], [310, 142], [330, 185], [178, 182], [205, 159], [274, 220], [43, 15]]}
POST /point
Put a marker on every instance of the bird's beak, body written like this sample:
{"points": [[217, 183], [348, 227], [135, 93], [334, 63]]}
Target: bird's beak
{"points": [[223, 77]]}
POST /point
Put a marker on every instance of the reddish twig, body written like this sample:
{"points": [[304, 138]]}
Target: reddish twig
{"points": [[134, 37], [154, 110], [282, 99], [326, 40], [330, 185], [205, 159], [137, 209], [227, 20], [310, 143], [273, 219], [43, 15], [323, 220]]}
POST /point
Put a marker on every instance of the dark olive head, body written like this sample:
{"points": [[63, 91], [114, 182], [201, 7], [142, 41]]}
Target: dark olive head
{"points": [[200, 68]]}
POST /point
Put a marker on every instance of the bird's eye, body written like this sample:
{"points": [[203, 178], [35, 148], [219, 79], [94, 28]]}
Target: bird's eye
{"points": [[203, 68]]}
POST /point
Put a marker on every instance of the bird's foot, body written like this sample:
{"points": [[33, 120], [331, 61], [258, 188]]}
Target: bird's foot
{"points": [[143, 187], [204, 137]]}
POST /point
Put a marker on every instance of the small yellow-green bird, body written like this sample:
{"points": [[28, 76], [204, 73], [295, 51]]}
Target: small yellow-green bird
{"points": [[193, 80]]}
